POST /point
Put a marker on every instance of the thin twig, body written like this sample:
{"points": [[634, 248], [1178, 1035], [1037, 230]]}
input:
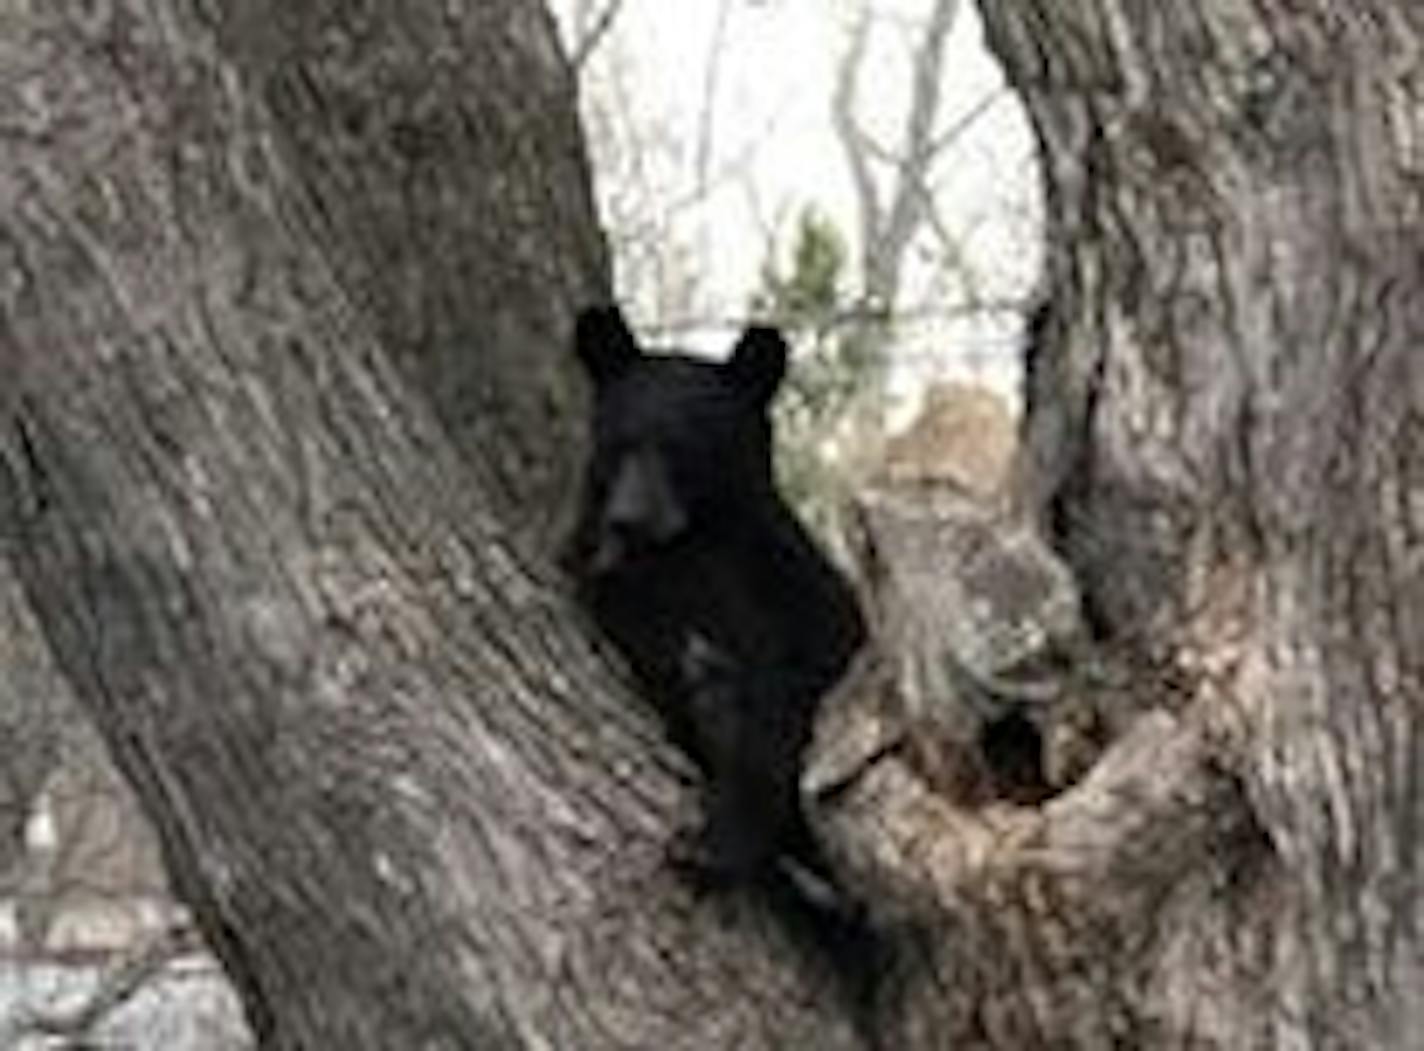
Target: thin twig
{"points": [[588, 41]]}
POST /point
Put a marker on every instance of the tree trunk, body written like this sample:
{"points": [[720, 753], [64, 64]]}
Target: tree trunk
{"points": [[406, 801], [1226, 441], [440, 159], [389, 152]]}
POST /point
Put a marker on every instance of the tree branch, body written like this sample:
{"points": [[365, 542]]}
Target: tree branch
{"points": [[852, 139], [711, 77], [592, 36], [908, 201]]}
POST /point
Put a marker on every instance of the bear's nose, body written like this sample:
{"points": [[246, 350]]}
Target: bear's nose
{"points": [[624, 539], [642, 511], [621, 541]]}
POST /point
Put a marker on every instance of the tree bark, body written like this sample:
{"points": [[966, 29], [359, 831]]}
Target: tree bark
{"points": [[380, 130], [1226, 441], [406, 800], [440, 158]]}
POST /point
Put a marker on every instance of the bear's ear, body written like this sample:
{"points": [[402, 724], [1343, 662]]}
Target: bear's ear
{"points": [[758, 362], [604, 343]]}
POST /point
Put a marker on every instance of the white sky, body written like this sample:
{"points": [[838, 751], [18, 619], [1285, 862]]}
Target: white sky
{"points": [[690, 249]]}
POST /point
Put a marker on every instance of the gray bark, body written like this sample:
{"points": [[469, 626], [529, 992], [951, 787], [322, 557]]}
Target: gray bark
{"points": [[1225, 441], [438, 161], [407, 803]]}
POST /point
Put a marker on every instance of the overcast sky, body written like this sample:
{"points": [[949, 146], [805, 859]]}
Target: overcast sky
{"points": [[765, 149]]}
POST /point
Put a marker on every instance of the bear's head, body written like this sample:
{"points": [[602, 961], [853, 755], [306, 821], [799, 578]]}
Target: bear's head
{"points": [[681, 447]]}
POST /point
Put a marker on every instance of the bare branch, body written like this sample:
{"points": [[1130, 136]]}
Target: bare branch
{"points": [[890, 220], [853, 140], [597, 29], [907, 209], [711, 77], [955, 131]]}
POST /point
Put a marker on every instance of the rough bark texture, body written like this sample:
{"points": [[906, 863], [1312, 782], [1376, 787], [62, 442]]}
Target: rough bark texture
{"points": [[378, 121], [408, 804], [442, 164], [1227, 444]]}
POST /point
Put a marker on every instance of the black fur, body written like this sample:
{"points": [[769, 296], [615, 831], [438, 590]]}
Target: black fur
{"points": [[692, 563]]}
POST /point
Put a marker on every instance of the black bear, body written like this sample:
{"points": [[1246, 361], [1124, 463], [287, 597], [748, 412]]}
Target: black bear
{"points": [[694, 566]]}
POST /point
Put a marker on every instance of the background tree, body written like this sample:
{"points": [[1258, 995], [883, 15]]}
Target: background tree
{"points": [[689, 164], [916, 263], [895, 182], [657, 170], [807, 296]]}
